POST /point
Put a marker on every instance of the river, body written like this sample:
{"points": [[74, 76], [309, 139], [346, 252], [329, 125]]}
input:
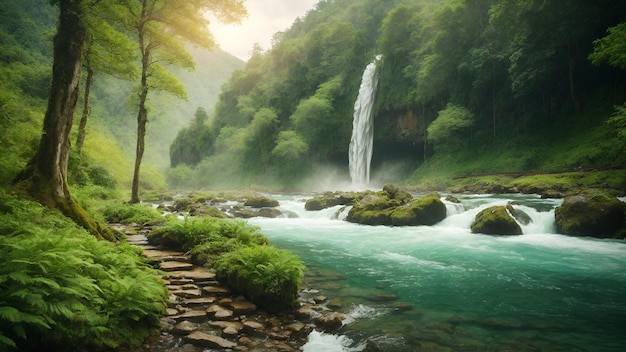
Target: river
{"points": [[442, 288]]}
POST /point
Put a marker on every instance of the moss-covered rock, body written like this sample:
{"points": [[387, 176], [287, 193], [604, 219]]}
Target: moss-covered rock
{"points": [[261, 202], [330, 199], [398, 208], [495, 220], [591, 213], [420, 211]]}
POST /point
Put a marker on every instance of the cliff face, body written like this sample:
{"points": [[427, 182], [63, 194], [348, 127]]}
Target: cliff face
{"points": [[398, 136]]}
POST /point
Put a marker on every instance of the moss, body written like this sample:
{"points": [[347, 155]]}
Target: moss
{"points": [[261, 202], [591, 213], [421, 211], [495, 221], [370, 217], [330, 199]]}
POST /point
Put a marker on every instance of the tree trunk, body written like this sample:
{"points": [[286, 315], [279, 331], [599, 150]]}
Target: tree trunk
{"points": [[142, 115], [45, 176], [572, 88], [80, 139]]}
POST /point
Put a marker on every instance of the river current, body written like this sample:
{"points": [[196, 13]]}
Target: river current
{"points": [[442, 288]]}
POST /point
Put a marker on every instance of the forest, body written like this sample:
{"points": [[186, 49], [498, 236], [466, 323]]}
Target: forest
{"points": [[465, 87], [105, 104]]}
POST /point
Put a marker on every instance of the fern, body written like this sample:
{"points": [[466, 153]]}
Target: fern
{"points": [[62, 287]]}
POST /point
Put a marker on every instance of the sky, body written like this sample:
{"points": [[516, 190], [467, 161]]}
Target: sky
{"points": [[265, 17]]}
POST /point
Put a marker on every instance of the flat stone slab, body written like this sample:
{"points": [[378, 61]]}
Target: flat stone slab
{"points": [[151, 253], [190, 314], [216, 290], [218, 312], [242, 307], [253, 326], [190, 293], [196, 274], [174, 265], [181, 281], [227, 324], [200, 300], [207, 340], [185, 327]]}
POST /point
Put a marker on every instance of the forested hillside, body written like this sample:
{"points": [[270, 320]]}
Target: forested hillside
{"points": [[465, 87], [26, 31]]}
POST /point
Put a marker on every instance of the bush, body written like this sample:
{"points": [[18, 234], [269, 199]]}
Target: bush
{"points": [[191, 232], [124, 213], [61, 287], [268, 276]]}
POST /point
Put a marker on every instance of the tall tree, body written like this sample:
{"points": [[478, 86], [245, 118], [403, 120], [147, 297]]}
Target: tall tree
{"points": [[107, 51], [45, 176], [162, 27]]}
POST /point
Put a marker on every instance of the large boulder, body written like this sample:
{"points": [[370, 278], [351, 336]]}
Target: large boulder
{"points": [[495, 220], [591, 213], [372, 209], [427, 210], [330, 199], [261, 202], [396, 207]]}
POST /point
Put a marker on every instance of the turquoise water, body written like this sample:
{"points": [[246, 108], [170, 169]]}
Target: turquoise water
{"points": [[442, 288]]}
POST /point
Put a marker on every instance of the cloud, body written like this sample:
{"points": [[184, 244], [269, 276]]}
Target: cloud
{"points": [[265, 17]]}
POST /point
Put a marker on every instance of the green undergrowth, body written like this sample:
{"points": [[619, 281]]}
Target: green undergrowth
{"points": [[241, 256], [61, 289], [125, 213], [269, 276]]}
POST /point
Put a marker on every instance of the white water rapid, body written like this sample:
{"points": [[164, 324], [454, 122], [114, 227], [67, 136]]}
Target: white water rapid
{"points": [[361, 143]]}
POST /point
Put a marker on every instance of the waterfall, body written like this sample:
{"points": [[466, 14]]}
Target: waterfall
{"points": [[361, 143]]}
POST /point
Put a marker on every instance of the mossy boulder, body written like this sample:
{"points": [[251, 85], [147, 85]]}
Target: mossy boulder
{"points": [[330, 199], [261, 202], [495, 220], [397, 208], [372, 209], [427, 210], [591, 213]]}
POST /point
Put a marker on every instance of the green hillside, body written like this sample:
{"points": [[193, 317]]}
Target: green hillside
{"points": [[520, 71]]}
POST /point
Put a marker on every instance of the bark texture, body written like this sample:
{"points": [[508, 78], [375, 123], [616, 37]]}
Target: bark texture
{"points": [[45, 176]]}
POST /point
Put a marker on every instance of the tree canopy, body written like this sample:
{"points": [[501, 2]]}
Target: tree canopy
{"points": [[512, 65]]}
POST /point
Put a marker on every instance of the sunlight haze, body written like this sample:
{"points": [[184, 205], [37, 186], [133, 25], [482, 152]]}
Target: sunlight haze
{"points": [[265, 17]]}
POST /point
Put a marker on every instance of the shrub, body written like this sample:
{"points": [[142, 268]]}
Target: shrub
{"points": [[121, 212], [190, 232], [268, 276], [61, 287]]}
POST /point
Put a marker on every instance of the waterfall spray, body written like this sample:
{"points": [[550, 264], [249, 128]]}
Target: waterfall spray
{"points": [[361, 143]]}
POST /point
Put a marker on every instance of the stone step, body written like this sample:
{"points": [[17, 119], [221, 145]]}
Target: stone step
{"points": [[155, 253], [196, 274], [207, 340], [174, 265]]}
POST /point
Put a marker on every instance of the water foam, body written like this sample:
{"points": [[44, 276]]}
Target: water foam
{"points": [[320, 342]]}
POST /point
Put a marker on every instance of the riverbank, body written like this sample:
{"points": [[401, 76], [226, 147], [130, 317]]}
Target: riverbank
{"points": [[202, 313], [548, 184]]}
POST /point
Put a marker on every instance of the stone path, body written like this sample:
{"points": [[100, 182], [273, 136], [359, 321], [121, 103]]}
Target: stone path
{"points": [[202, 314]]}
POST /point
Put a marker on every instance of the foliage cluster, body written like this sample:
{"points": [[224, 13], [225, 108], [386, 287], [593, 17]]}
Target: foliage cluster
{"points": [[124, 213], [267, 275], [62, 289], [203, 236], [242, 257]]}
